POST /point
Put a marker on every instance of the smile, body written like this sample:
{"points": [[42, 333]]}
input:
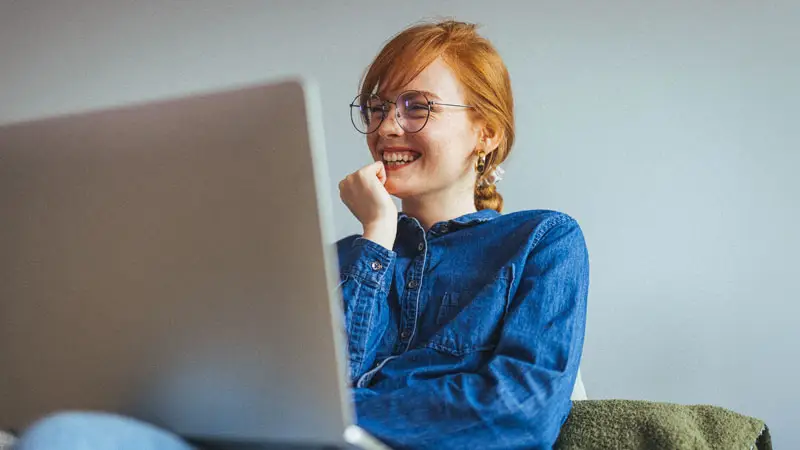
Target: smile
{"points": [[393, 160]]}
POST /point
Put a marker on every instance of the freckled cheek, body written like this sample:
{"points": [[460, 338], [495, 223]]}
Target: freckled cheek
{"points": [[431, 149]]}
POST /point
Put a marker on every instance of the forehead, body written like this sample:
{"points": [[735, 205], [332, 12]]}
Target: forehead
{"points": [[438, 81]]}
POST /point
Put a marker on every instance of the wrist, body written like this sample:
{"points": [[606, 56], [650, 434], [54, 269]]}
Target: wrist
{"points": [[383, 234]]}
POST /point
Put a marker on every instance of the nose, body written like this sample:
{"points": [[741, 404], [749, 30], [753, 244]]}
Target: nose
{"points": [[390, 127]]}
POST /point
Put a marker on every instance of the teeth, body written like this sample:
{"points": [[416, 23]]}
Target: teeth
{"points": [[399, 157]]}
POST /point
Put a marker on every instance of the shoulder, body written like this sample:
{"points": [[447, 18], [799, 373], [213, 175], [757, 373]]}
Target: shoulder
{"points": [[551, 240], [536, 224], [544, 236]]}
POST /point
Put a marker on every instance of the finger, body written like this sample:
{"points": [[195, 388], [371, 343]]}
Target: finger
{"points": [[381, 173], [371, 168], [372, 171], [377, 169]]}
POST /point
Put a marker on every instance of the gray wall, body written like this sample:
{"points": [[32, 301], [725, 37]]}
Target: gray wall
{"points": [[668, 129]]}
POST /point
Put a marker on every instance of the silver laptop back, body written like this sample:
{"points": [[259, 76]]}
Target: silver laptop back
{"points": [[172, 261]]}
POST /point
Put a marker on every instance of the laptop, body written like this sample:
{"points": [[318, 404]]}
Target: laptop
{"points": [[173, 261]]}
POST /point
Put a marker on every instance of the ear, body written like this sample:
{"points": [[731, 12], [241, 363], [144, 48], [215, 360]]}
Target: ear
{"points": [[490, 138]]}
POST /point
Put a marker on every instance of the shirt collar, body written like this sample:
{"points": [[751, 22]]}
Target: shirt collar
{"points": [[481, 216], [466, 220]]}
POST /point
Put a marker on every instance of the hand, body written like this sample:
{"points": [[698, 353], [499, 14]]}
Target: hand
{"points": [[364, 194]]}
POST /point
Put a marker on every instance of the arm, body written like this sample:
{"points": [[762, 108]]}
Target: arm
{"points": [[366, 275], [519, 398], [365, 264]]}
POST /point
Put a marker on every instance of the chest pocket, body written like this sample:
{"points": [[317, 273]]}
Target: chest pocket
{"points": [[470, 319]]}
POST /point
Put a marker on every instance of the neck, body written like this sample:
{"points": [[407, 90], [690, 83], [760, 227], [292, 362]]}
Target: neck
{"points": [[439, 207]]}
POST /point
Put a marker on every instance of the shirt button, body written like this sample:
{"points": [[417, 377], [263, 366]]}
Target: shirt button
{"points": [[445, 227], [421, 246], [376, 265], [405, 334], [413, 284]]}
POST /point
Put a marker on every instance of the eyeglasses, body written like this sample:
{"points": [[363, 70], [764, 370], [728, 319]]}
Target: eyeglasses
{"points": [[412, 111]]}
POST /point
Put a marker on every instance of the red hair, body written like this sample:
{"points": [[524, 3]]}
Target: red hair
{"points": [[478, 67]]}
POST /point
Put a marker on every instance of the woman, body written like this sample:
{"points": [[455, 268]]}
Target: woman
{"points": [[465, 326]]}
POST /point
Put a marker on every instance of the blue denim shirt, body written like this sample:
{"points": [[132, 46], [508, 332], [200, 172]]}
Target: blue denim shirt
{"points": [[468, 335]]}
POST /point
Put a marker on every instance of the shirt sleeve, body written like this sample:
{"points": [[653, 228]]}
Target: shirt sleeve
{"points": [[521, 396], [365, 269]]}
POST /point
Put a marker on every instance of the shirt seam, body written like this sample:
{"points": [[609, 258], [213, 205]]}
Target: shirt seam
{"points": [[549, 224]]}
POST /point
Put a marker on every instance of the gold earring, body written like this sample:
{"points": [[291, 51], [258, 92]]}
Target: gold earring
{"points": [[480, 164]]}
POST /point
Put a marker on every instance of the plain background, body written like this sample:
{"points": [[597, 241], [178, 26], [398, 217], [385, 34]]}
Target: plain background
{"points": [[668, 129]]}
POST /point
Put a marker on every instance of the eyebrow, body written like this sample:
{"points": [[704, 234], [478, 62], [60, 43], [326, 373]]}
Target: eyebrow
{"points": [[428, 94]]}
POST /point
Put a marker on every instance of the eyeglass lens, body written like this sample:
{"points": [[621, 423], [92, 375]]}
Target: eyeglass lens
{"points": [[367, 112]]}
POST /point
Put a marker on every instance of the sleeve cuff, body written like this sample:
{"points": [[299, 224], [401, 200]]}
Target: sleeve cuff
{"points": [[368, 261]]}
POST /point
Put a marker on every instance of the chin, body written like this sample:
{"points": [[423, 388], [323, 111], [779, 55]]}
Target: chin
{"points": [[400, 190]]}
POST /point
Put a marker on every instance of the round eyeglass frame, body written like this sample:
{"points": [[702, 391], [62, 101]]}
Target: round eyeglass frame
{"points": [[385, 109]]}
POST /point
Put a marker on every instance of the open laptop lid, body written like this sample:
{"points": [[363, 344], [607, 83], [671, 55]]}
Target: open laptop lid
{"points": [[171, 260]]}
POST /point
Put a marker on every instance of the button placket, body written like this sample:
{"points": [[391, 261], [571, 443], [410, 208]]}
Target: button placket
{"points": [[411, 297]]}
